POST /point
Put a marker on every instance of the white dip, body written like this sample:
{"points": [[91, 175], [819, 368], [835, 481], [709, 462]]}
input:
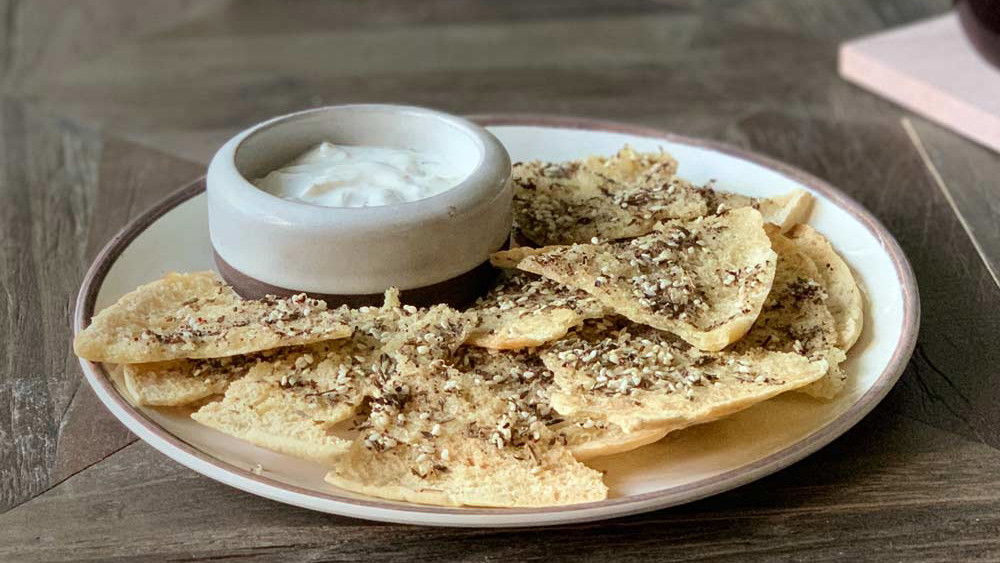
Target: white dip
{"points": [[341, 176]]}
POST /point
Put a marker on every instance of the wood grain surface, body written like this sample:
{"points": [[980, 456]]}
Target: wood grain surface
{"points": [[106, 106]]}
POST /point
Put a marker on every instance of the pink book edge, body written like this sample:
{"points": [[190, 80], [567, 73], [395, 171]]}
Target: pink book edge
{"points": [[857, 66]]}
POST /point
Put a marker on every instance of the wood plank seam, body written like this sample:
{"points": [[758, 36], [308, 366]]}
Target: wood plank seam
{"points": [[935, 175], [66, 478], [69, 403]]}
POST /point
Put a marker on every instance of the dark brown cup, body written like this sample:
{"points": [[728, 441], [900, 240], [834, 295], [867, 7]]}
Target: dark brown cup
{"points": [[981, 22]]}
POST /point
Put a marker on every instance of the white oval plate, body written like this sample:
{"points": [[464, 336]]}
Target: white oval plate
{"points": [[687, 465]]}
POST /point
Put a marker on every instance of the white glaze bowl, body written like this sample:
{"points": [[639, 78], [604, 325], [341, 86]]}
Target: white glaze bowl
{"points": [[266, 244]]}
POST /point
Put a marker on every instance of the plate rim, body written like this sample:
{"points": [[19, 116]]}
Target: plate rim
{"points": [[391, 511]]}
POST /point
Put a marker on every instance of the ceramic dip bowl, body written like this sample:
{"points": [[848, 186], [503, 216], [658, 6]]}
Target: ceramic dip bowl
{"points": [[434, 250]]}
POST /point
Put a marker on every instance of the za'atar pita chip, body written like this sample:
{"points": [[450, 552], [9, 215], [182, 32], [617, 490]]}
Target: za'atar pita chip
{"points": [[520, 377], [292, 403], [843, 294], [639, 378], [796, 317], [198, 316], [704, 280], [605, 197], [622, 196], [440, 435]]}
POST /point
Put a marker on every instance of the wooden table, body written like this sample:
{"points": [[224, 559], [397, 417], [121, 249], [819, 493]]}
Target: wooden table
{"points": [[109, 105]]}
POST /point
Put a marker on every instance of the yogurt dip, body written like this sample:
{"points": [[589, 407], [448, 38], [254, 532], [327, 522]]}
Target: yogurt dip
{"points": [[330, 175]]}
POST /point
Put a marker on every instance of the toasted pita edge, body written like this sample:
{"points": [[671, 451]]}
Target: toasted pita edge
{"points": [[302, 449], [593, 490], [832, 382], [392, 492], [617, 445], [510, 337], [792, 208], [511, 258], [194, 390]]}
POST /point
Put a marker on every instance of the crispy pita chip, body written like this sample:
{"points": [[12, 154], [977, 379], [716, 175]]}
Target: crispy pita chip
{"points": [[703, 280], [198, 316], [291, 404], [624, 196], [641, 378], [795, 317], [185, 381], [785, 211], [521, 377], [525, 310], [437, 436], [843, 295], [608, 198], [511, 258], [589, 437], [181, 382]]}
